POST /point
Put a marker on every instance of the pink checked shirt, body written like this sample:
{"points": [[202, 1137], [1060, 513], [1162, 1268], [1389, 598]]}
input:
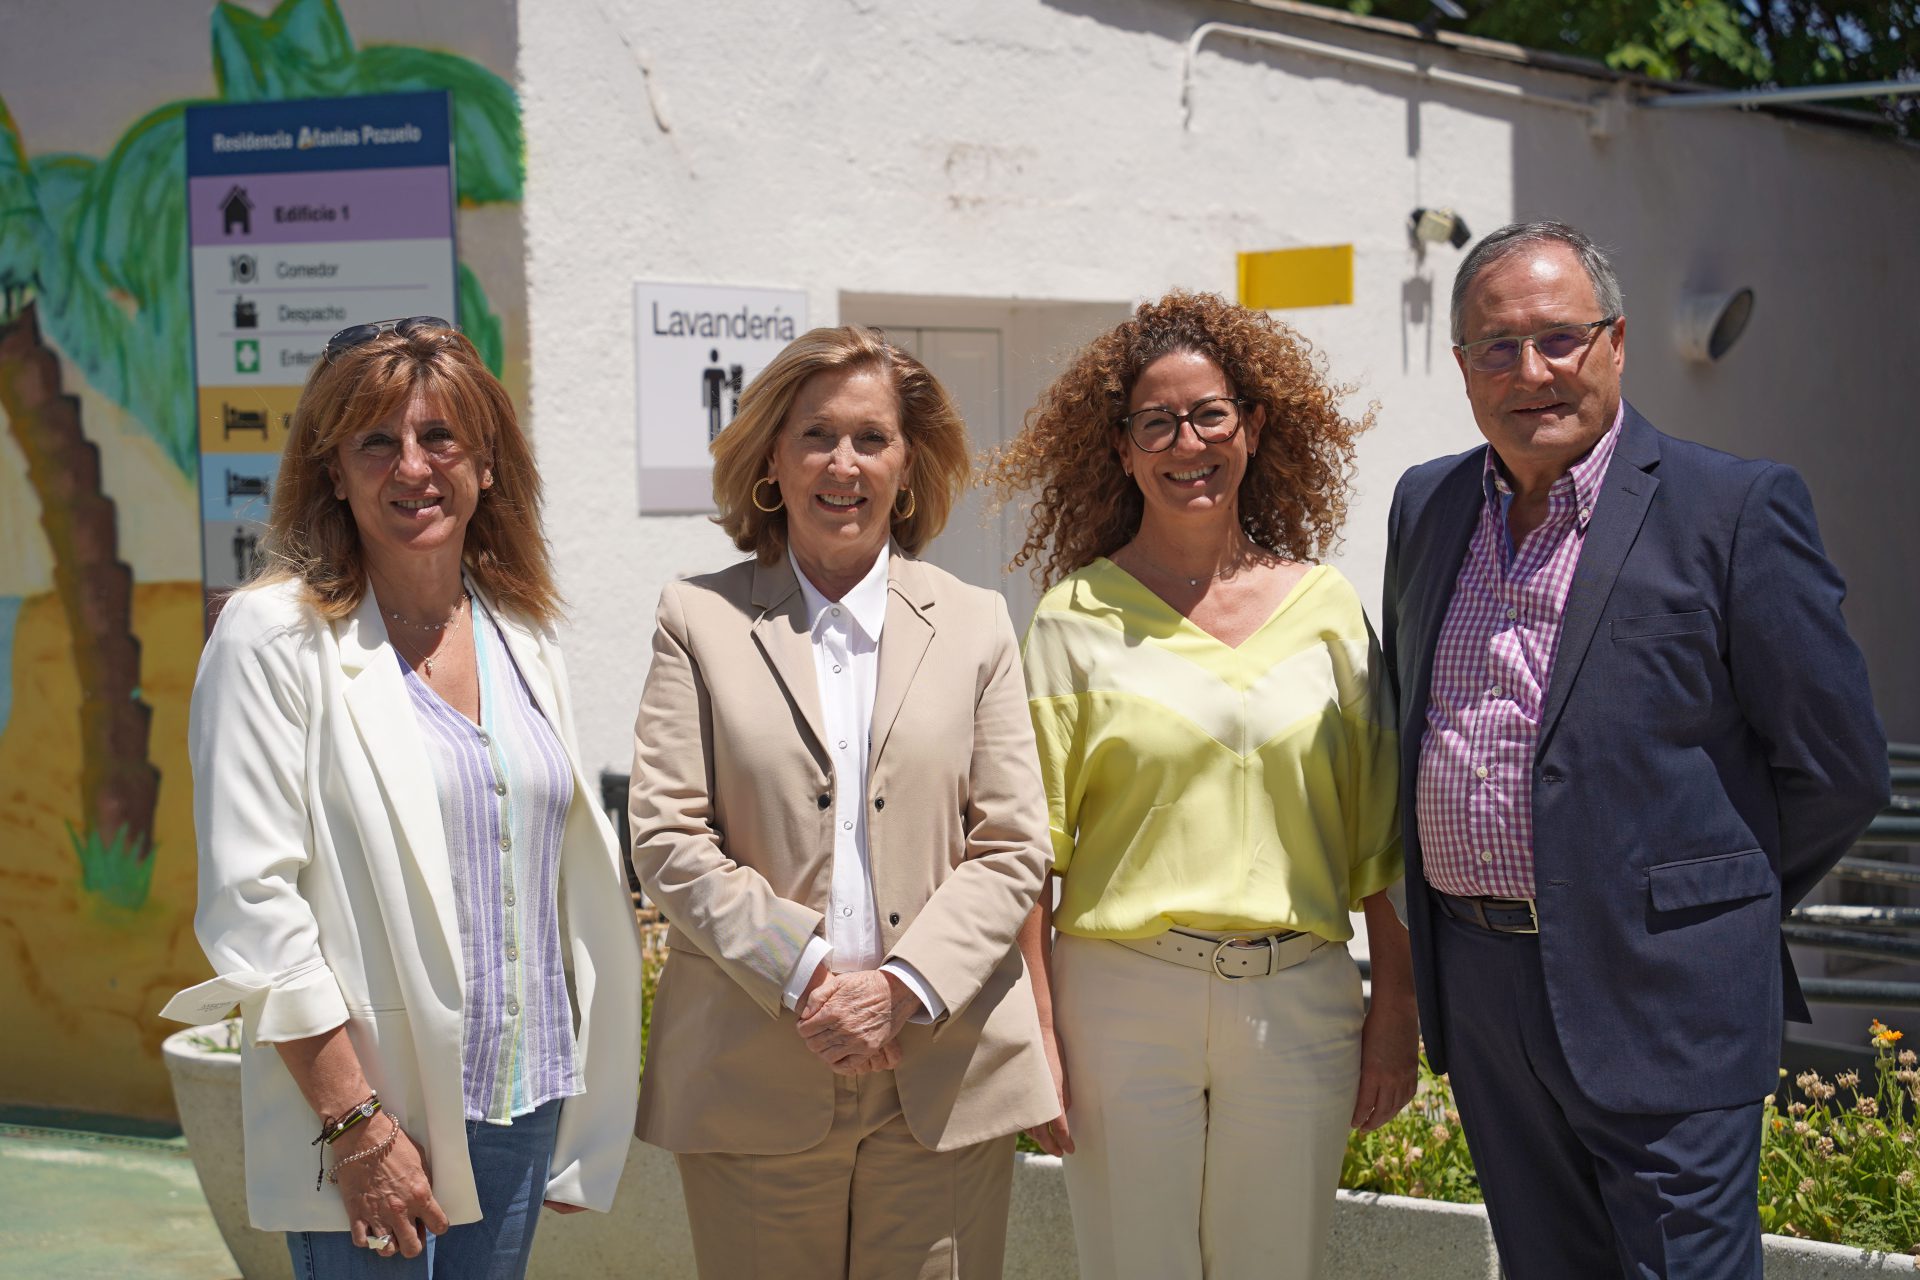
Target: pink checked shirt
{"points": [[1491, 669]]}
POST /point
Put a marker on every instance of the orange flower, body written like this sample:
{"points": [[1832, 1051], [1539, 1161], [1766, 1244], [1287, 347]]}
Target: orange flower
{"points": [[1883, 1036]]}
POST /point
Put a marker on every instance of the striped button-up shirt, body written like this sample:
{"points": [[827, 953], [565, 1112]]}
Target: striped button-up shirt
{"points": [[504, 788], [1491, 669]]}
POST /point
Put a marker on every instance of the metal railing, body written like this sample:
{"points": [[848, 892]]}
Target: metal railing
{"points": [[1886, 933]]}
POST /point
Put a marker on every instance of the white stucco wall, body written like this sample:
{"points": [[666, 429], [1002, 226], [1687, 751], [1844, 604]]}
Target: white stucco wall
{"points": [[1026, 149]]}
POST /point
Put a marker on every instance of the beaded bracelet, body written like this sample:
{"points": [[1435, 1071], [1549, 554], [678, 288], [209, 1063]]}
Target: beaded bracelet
{"points": [[378, 1149]]}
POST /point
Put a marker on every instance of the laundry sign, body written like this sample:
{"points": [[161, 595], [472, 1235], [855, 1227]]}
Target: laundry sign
{"points": [[697, 347]]}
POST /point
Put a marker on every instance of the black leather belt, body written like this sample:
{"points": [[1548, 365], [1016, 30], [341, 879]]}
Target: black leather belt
{"points": [[1496, 915]]}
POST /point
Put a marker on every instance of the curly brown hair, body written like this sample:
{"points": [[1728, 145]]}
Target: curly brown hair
{"points": [[1293, 498]]}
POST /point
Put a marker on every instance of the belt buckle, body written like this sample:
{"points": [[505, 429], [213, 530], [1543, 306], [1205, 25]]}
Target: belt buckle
{"points": [[1533, 917], [1220, 948]]}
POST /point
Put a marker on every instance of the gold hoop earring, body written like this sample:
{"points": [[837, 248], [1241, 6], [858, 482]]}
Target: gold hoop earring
{"points": [[912, 506], [756, 495]]}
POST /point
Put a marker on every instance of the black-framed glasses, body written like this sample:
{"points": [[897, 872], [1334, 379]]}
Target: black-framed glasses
{"points": [[1214, 420], [356, 334], [1497, 355]]}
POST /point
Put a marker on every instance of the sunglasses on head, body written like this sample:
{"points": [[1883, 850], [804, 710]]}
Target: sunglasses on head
{"points": [[356, 334]]}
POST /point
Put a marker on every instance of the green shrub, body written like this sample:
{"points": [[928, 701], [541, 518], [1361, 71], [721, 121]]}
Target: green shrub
{"points": [[1840, 1162], [1420, 1152]]}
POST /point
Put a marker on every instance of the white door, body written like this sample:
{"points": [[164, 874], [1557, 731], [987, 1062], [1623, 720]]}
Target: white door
{"points": [[969, 362]]}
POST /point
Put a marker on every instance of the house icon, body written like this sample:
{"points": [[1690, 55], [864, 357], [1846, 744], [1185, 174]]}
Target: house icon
{"points": [[237, 211]]}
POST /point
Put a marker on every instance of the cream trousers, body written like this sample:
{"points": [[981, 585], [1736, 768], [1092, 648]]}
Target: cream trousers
{"points": [[867, 1203], [1209, 1117]]}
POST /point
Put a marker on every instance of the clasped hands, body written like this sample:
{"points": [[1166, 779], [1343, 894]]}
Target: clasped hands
{"points": [[852, 1021]]}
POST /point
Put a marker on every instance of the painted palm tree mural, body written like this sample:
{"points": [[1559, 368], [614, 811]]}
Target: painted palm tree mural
{"points": [[94, 265]]}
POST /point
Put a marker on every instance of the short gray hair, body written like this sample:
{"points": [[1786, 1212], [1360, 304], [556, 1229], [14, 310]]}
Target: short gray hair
{"points": [[1515, 236]]}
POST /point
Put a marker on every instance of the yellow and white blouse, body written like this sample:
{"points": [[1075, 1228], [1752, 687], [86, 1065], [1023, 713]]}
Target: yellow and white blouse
{"points": [[1196, 784]]}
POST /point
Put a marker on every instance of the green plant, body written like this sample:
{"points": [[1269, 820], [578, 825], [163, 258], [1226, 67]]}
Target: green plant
{"points": [[1841, 1161], [1420, 1152], [227, 1041]]}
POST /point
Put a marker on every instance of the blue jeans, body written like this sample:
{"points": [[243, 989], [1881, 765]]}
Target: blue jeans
{"points": [[510, 1165]]}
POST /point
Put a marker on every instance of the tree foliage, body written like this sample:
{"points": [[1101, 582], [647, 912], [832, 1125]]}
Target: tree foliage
{"points": [[1734, 44]]}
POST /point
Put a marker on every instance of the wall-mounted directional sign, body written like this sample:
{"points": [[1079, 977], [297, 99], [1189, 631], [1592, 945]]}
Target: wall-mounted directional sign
{"points": [[698, 345], [303, 218]]}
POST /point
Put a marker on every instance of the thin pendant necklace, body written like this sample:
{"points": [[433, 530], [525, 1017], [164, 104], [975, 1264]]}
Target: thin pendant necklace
{"points": [[441, 630], [1215, 576]]}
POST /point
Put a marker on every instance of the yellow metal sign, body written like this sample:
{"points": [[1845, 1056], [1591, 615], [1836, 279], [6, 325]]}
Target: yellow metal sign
{"points": [[1321, 276]]}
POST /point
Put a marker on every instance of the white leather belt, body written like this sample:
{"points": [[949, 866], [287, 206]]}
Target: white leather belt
{"points": [[1230, 956]]}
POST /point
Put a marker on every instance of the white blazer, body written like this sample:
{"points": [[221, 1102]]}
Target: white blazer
{"points": [[325, 897]]}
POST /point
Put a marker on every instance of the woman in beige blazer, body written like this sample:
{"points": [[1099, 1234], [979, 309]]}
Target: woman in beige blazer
{"points": [[837, 806], [406, 883]]}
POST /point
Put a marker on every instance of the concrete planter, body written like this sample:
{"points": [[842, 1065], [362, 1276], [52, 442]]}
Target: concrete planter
{"points": [[206, 1092], [1375, 1237]]}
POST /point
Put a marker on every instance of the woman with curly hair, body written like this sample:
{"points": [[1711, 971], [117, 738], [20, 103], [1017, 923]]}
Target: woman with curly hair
{"points": [[1221, 789]]}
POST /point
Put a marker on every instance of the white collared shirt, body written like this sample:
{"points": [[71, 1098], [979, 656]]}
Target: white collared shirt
{"points": [[846, 664]]}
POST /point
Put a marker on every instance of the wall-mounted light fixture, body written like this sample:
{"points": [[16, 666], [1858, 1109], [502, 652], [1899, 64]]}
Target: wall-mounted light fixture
{"points": [[1431, 226], [1710, 323]]}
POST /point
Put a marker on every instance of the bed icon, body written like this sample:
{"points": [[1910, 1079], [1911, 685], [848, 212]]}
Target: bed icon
{"points": [[233, 420], [245, 486]]}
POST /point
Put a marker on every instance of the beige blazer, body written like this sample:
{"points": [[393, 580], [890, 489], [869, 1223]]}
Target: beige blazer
{"points": [[732, 809], [326, 898]]}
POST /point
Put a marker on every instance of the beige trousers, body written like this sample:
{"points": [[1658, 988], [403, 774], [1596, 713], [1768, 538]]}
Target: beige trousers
{"points": [[868, 1203], [1209, 1117]]}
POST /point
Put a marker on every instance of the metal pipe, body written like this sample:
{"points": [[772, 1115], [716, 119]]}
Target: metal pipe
{"points": [[1863, 916], [1853, 942], [1891, 828], [1873, 995], [1377, 61], [1801, 93], [1874, 871]]}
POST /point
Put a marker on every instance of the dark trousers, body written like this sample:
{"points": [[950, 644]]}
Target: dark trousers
{"points": [[1573, 1190]]}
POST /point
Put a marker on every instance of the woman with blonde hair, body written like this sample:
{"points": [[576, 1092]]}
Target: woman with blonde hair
{"points": [[1221, 791], [836, 806], [405, 882]]}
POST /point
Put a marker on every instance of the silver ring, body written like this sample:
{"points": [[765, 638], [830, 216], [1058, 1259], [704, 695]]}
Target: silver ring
{"points": [[377, 1243]]}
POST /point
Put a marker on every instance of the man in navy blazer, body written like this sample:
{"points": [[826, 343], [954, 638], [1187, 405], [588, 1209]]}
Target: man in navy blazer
{"points": [[1634, 732]]}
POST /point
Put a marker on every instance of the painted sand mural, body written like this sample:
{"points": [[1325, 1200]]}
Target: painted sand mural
{"points": [[97, 399]]}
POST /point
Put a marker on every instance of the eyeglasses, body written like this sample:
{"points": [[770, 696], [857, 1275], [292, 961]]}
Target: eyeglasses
{"points": [[1497, 355], [356, 334], [1214, 420]]}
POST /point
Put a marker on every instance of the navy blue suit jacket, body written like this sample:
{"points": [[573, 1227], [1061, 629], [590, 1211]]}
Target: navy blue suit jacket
{"points": [[1708, 749]]}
